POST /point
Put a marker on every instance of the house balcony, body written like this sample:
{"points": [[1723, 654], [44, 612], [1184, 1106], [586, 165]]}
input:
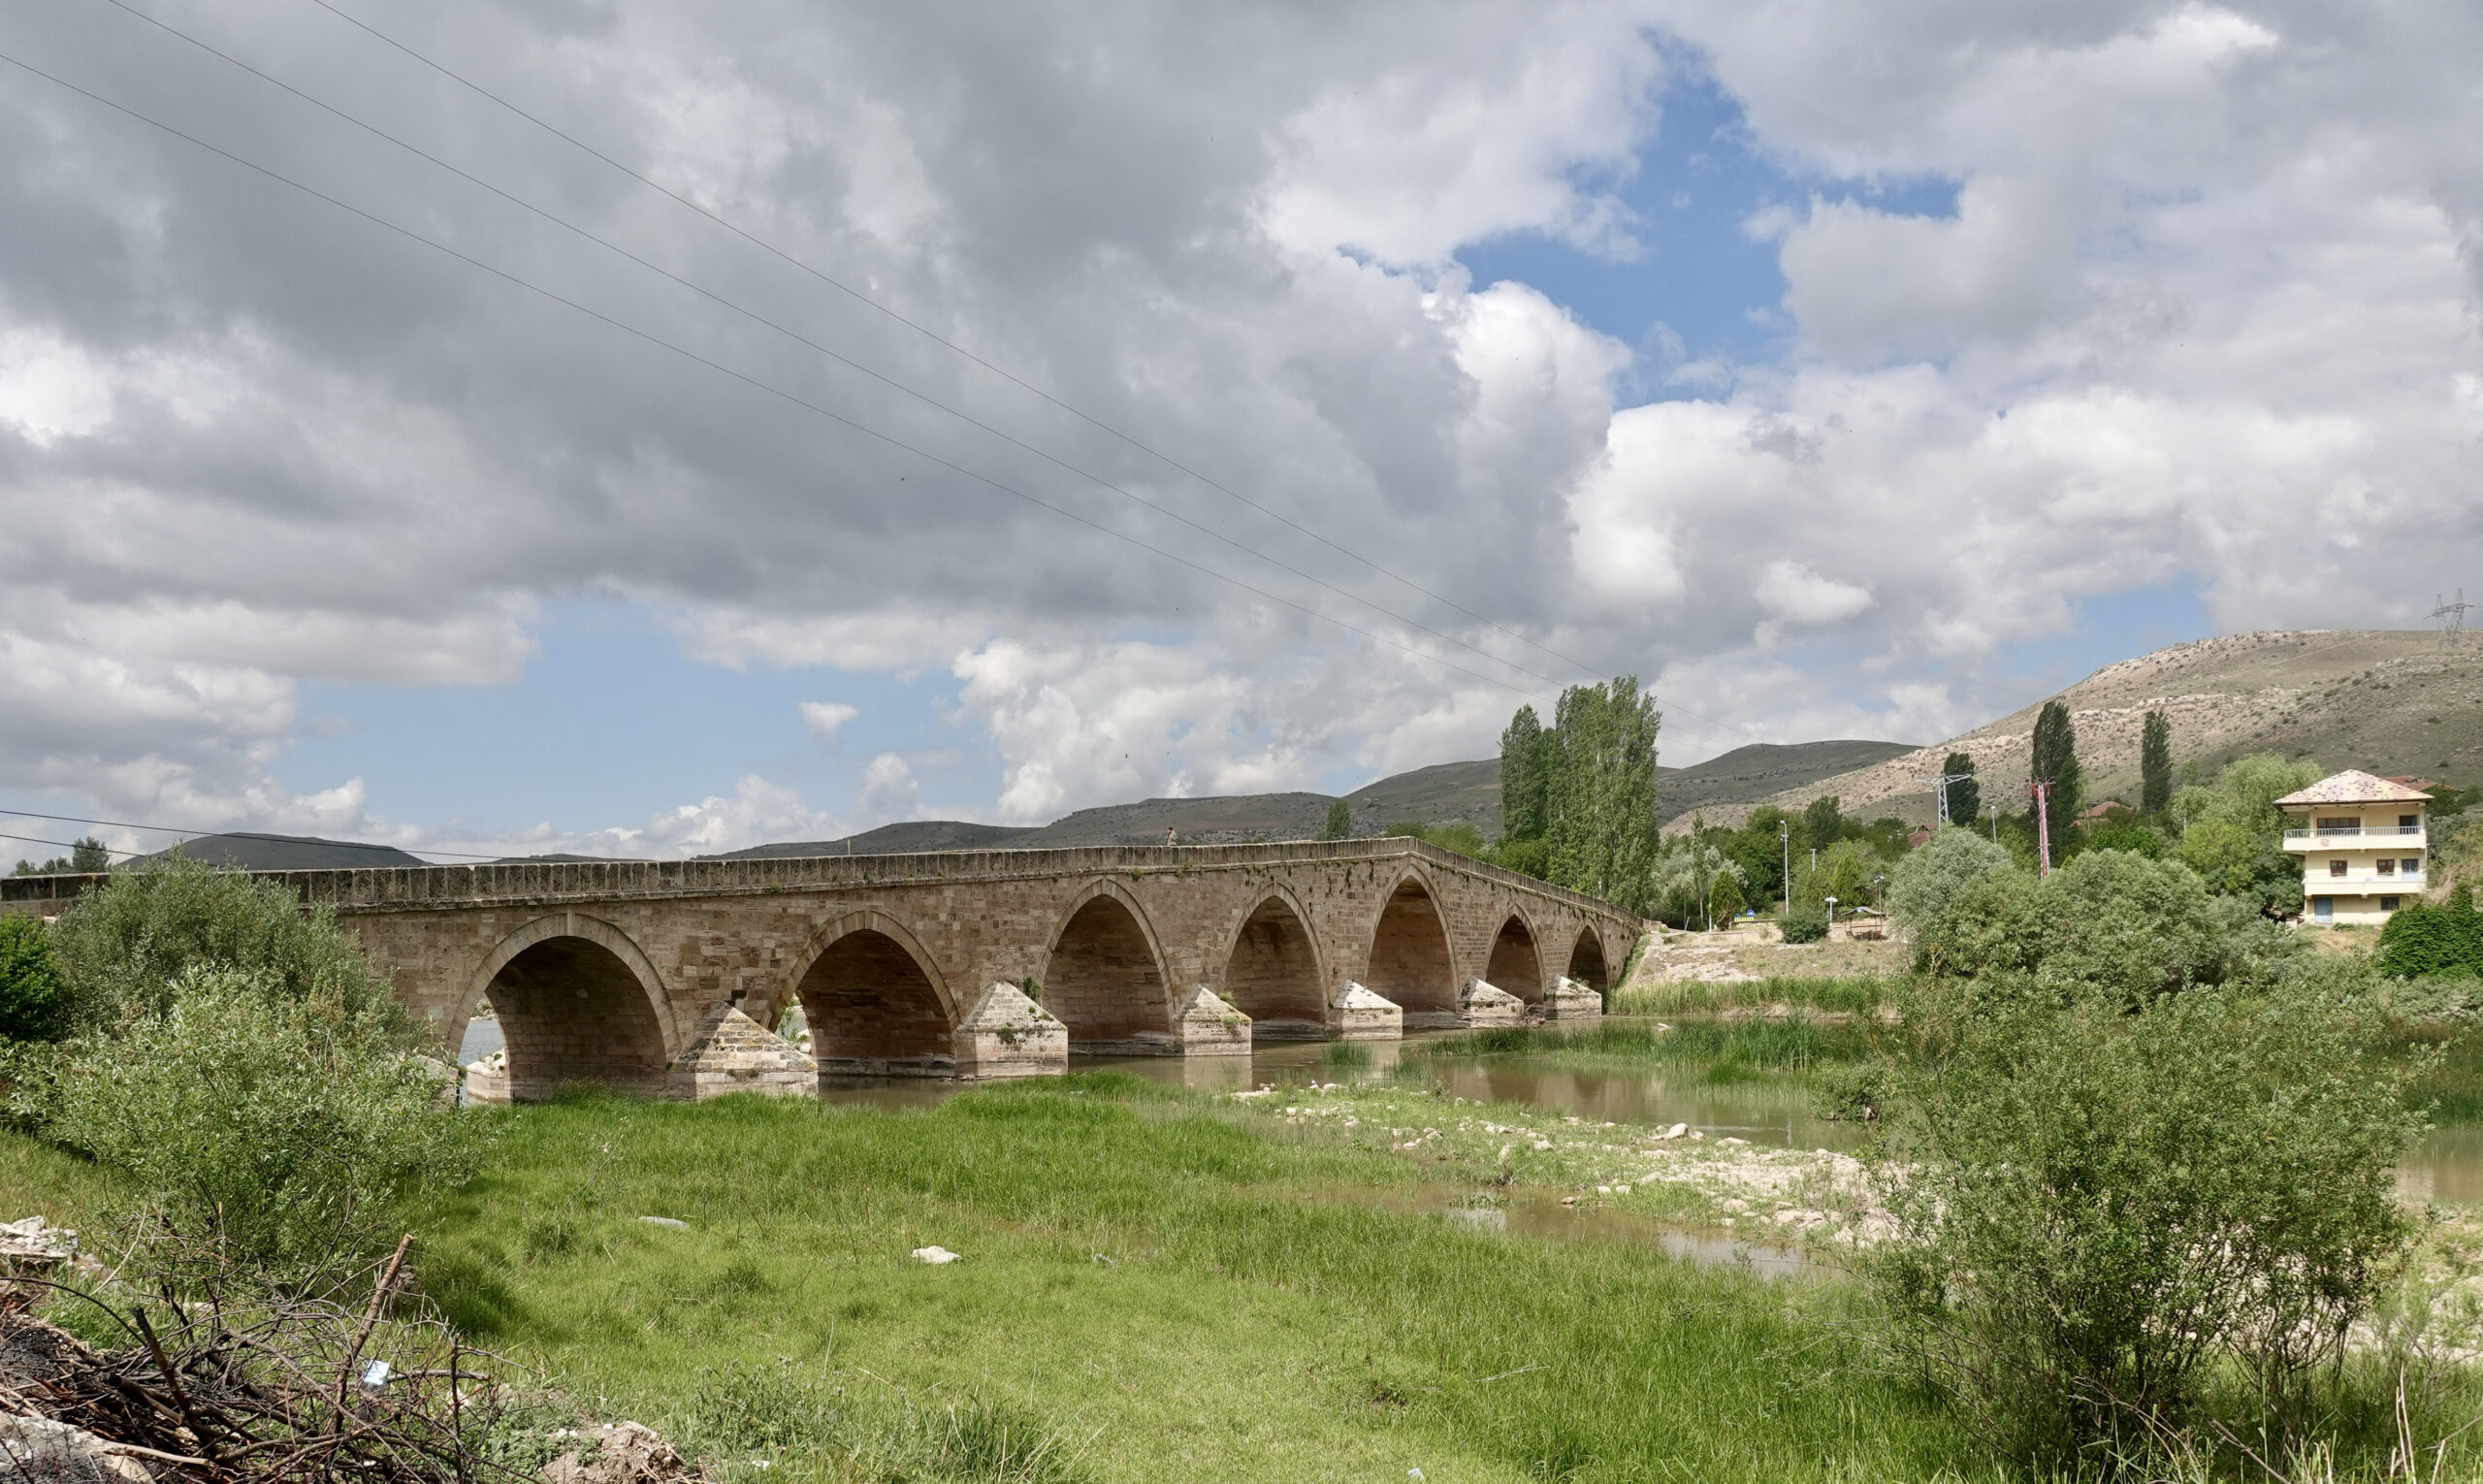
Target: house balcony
{"points": [[2362, 884], [2370, 837]]}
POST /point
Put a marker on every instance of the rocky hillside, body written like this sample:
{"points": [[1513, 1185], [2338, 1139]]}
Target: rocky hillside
{"points": [[2387, 701]]}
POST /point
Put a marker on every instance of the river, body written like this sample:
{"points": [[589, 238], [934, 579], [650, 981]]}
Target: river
{"points": [[2447, 1166]]}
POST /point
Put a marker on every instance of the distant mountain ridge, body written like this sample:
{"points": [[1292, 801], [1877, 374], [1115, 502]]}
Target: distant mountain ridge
{"points": [[1443, 793], [2395, 702]]}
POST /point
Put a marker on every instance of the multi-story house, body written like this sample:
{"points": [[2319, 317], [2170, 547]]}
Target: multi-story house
{"points": [[2362, 843]]}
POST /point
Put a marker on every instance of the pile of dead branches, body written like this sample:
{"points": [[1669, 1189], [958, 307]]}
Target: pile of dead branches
{"points": [[265, 1391]]}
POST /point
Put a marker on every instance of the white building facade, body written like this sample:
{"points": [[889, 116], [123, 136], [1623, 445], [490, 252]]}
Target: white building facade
{"points": [[2363, 845]]}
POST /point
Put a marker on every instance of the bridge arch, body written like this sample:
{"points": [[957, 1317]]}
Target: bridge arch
{"points": [[577, 1002], [1411, 962], [1516, 959], [1104, 976], [1587, 960], [874, 1000], [1273, 973]]}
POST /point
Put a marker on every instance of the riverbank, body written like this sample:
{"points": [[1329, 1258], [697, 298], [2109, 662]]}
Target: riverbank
{"points": [[1190, 1286]]}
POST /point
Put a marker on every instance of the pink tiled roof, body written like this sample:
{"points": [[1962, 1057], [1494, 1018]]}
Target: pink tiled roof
{"points": [[2354, 787]]}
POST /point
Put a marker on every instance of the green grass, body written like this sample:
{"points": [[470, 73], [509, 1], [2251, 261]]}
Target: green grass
{"points": [[2453, 1089], [1860, 994], [1726, 1050], [1178, 1294]]}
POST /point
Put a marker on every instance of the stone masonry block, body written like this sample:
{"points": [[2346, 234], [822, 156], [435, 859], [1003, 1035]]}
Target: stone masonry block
{"points": [[1206, 1026], [1570, 1000], [1008, 1035], [731, 1052], [1481, 1003], [1362, 1015]]}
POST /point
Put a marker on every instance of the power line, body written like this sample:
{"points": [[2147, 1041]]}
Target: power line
{"points": [[691, 355], [174, 829], [63, 845], [925, 331], [799, 339], [1004, 373]]}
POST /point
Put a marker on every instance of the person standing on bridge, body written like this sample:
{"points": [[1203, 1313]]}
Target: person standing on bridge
{"points": [[1169, 838]]}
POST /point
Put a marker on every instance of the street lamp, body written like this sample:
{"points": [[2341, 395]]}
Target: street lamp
{"points": [[1831, 912]]}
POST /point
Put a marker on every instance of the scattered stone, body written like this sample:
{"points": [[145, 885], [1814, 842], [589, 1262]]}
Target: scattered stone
{"points": [[666, 1221], [935, 1255], [623, 1453], [38, 1449], [34, 1245]]}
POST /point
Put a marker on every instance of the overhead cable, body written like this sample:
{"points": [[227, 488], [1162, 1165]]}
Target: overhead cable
{"points": [[684, 352], [866, 299], [840, 358]]}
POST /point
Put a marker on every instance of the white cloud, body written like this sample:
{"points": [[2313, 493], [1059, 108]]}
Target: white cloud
{"points": [[1796, 592], [2204, 314], [888, 792], [825, 719]]}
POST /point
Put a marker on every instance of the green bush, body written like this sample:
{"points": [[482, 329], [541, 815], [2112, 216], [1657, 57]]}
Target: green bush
{"points": [[2424, 940], [1528, 857], [126, 944], [1923, 889], [2098, 1208], [279, 1132], [33, 1004], [2108, 920], [1804, 924]]}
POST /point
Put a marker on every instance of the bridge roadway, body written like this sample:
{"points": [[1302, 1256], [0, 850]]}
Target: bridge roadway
{"points": [[666, 978]]}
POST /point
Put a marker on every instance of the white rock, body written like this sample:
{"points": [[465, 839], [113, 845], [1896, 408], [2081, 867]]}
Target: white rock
{"points": [[934, 1255], [39, 1448], [1676, 1131], [666, 1221]]}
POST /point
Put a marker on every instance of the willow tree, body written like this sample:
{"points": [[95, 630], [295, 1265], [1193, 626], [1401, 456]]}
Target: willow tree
{"points": [[1601, 794]]}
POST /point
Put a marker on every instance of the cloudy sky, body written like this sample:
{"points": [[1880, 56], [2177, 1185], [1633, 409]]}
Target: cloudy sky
{"points": [[879, 411]]}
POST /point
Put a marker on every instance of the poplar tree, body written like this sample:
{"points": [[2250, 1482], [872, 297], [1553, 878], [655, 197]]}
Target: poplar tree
{"points": [[1601, 792], [1965, 795], [1525, 778], [2155, 765], [2056, 760]]}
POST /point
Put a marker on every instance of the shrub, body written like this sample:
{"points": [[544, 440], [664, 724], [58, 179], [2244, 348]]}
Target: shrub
{"points": [[1804, 924], [1923, 889], [2109, 919], [126, 944], [1528, 857], [33, 1004], [2422, 940], [2096, 1207], [280, 1130]]}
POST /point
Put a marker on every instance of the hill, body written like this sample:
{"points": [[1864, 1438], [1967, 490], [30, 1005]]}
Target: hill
{"points": [[1443, 793], [286, 853], [2392, 702]]}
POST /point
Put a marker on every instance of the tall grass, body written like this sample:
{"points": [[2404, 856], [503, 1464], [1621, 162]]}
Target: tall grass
{"points": [[2453, 1087], [1728, 1050], [1860, 994], [1181, 1295]]}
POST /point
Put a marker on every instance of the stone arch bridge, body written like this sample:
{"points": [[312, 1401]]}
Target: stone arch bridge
{"points": [[665, 978]]}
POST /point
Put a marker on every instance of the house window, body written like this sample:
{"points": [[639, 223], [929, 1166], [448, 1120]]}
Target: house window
{"points": [[2411, 865], [2340, 821], [2335, 868], [2388, 904], [2410, 821], [2387, 866]]}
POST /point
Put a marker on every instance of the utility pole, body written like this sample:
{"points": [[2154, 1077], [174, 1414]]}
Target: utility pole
{"points": [[1940, 786], [2041, 789], [1785, 838], [2451, 617]]}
